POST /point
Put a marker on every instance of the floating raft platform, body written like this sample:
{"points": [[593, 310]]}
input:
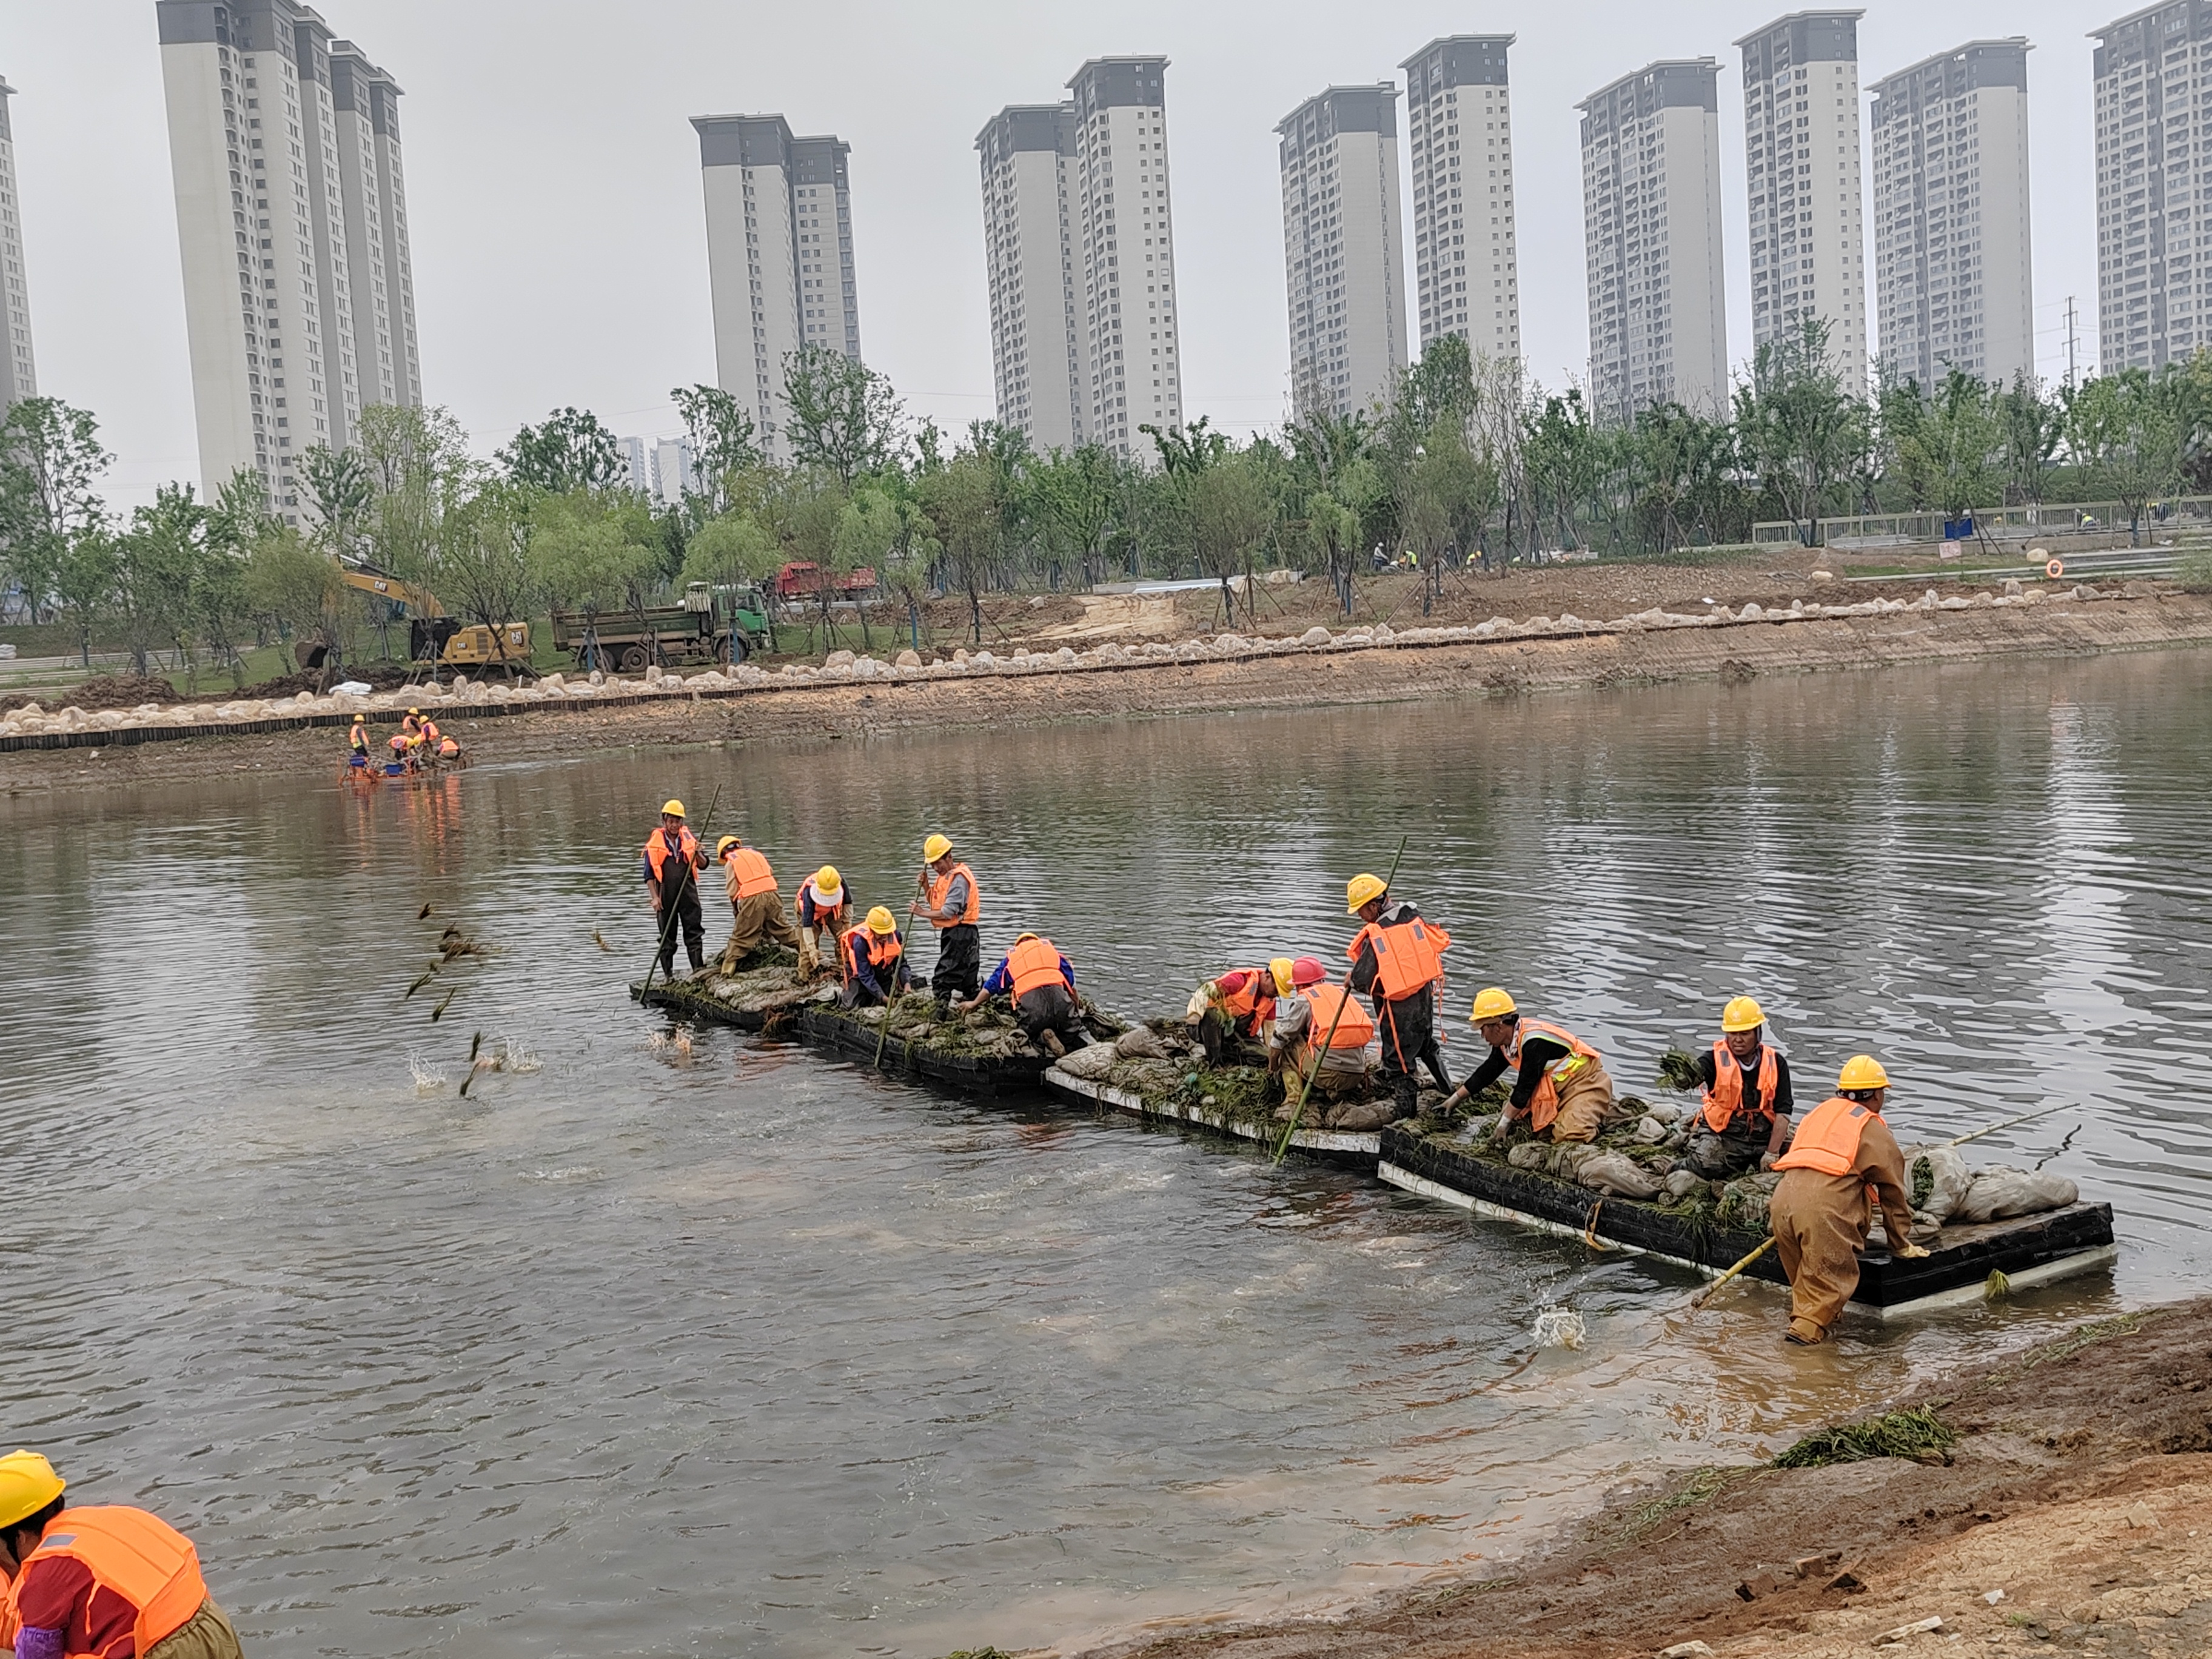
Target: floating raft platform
{"points": [[2029, 1250], [766, 996], [1360, 1148]]}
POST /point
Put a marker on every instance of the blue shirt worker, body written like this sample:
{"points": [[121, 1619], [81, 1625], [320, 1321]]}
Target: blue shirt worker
{"points": [[875, 963], [1041, 983]]}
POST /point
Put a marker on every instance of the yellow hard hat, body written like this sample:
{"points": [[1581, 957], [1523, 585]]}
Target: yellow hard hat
{"points": [[1280, 969], [27, 1485], [1742, 1014], [414, 711], [935, 849], [881, 923], [827, 882], [1491, 1003], [1863, 1072], [669, 809], [1019, 937], [726, 843], [1359, 889]]}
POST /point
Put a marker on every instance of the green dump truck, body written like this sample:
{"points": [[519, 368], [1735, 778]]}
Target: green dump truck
{"points": [[710, 626]]}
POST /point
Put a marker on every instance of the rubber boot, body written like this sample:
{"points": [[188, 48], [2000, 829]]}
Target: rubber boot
{"points": [[1805, 1333], [1049, 1042]]}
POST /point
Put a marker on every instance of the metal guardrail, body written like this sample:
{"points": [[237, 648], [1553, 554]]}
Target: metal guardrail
{"points": [[2005, 523]]}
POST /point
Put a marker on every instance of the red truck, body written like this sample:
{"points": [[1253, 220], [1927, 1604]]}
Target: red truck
{"points": [[802, 580]]}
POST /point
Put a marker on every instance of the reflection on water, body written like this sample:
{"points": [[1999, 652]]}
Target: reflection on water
{"points": [[725, 1347]]}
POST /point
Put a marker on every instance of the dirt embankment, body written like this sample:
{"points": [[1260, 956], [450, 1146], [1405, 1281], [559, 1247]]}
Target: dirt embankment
{"points": [[1385, 674], [2080, 1486]]}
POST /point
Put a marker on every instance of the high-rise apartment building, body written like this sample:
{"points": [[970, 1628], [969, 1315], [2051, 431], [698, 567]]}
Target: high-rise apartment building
{"points": [[674, 470], [1801, 122], [1040, 325], [1122, 229], [1343, 248], [1952, 262], [2154, 158], [1459, 128], [264, 156], [19, 374], [779, 256], [1651, 234]]}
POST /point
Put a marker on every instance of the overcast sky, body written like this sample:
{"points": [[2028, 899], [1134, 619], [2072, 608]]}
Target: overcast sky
{"points": [[553, 180]]}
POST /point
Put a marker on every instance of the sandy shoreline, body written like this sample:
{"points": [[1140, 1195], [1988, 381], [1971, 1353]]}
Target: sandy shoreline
{"points": [[1381, 674]]}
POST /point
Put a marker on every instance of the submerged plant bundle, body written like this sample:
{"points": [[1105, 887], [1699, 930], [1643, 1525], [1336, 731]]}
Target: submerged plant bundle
{"points": [[1918, 1435], [1678, 1070]]}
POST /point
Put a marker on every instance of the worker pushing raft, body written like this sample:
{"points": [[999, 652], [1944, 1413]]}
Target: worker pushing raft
{"points": [[102, 1579], [823, 916], [952, 904], [1040, 981], [1397, 959], [874, 957], [1560, 1088], [1742, 1122], [1843, 1153], [672, 860], [756, 914]]}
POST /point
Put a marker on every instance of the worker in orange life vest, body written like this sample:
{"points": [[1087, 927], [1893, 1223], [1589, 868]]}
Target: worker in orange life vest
{"points": [[1232, 1008], [1560, 1088], [1742, 1122], [1844, 1154], [1308, 1009], [756, 914], [99, 1579], [1041, 984], [670, 864], [952, 904], [874, 957], [822, 912], [1397, 960]]}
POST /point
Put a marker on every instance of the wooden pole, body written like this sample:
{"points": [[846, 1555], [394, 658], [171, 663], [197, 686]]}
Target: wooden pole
{"points": [[890, 993], [1706, 1295], [668, 921]]}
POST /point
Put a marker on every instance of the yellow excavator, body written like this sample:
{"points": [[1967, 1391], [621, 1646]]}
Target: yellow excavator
{"points": [[433, 639]]}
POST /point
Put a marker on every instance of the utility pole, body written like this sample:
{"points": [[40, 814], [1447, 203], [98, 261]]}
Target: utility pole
{"points": [[2069, 343]]}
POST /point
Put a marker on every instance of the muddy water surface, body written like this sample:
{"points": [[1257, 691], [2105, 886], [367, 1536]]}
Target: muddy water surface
{"points": [[708, 1344]]}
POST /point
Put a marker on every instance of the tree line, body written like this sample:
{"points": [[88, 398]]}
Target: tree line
{"points": [[1467, 465]]}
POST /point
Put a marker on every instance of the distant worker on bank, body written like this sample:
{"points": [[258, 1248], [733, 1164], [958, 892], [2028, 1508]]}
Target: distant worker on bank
{"points": [[1743, 1120], [952, 905], [822, 914], [1396, 960], [1233, 1008], [1309, 1011], [1560, 1088], [672, 860], [1041, 984], [99, 1579], [874, 956], [756, 914], [1819, 1212]]}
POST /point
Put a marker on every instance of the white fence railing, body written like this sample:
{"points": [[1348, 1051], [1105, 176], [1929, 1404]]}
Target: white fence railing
{"points": [[1995, 523]]}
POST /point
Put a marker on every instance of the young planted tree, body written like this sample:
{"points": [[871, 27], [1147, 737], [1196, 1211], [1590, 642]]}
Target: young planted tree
{"points": [[340, 493], [1231, 508], [964, 499], [1799, 428], [483, 560], [160, 562], [1075, 499], [2124, 431], [295, 586], [51, 464], [597, 553], [724, 443], [845, 418], [568, 451]]}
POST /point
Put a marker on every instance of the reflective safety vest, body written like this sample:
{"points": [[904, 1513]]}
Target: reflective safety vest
{"points": [[449, 749], [1355, 1028], [359, 736], [942, 886], [139, 1557], [430, 732], [749, 872], [1544, 1104], [1828, 1138], [1253, 1001], [1033, 964], [1409, 954], [863, 946], [1725, 1098], [657, 848]]}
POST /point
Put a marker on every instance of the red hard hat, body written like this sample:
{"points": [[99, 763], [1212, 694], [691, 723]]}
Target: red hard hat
{"points": [[1307, 970]]}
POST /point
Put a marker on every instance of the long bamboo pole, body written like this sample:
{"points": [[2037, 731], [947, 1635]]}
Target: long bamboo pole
{"points": [[890, 992], [1706, 1295], [668, 921]]}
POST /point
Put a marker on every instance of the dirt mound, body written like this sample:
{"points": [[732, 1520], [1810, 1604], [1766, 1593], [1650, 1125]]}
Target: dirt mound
{"points": [[100, 692], [380, 676]]}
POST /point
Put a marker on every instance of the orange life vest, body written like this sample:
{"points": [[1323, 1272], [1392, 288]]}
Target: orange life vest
{"points": [[657, 848], [861, 945], [139, 1557], [749, 872], [942, 885], [1725, 1098], [1544, 1104], [10, 1622], [1355, 1027], [825, 916], [430, 732], [449, 749], [1828, 1138], [1255, 1000], [1033, 964], [1409, 954]]}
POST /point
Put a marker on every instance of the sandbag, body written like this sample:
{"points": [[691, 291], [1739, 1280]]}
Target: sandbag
{"points": [[1091, 1064], [1362, 1115], [1140, 1043], [1936, 1180], [1616, 1173], [1681, 1185], [2000, 1192], [1744, 1201], [1649, 1130]]}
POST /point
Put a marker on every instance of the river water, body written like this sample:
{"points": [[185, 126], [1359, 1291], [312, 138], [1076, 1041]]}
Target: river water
{"points": [[688, 1342]]}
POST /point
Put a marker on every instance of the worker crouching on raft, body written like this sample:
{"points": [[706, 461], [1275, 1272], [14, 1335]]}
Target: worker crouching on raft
{"points": [[1560, 1088], [1843, 1153], [1234, 1008], [1306, 1006], [1041, 983], [672, 860], [822, 914], [755, 904], [953, 906], [101, 1579], [874, 957], [1396, 960], [1743, 1122]]}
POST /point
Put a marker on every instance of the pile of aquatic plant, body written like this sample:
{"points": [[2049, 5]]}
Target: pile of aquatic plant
{"points": [[1678, 1070], [1919, 1435], [987, 1032]]}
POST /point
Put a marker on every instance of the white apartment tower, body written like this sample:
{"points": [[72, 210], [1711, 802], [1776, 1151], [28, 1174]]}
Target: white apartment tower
{"points": [[1123, 235], [1344, 248], [1951, 253], [1459, 127], [19, 375], [1040, 326], [1801, 120], [779, 256], [374, 196], [1651, 234], [2154, 158], [263, 158]]}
